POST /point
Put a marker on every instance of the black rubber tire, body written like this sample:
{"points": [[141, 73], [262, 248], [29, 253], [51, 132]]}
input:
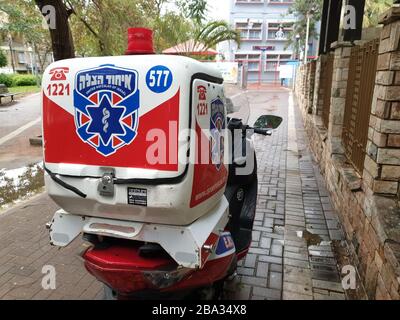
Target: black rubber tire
{"points": [[109, 294]]}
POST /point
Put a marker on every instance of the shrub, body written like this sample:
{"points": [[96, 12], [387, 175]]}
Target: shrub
{"points": [[6, 79], [3, 59], [23, 80]]}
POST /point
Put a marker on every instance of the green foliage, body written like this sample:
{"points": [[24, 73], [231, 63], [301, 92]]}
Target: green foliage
{"points": [[300, 9], [6, 79], [21, 80], [3, 59], [165, 36], [189, 25], [373, 10], [25, 20], [215, 32], [100, 27], [195, 10]]}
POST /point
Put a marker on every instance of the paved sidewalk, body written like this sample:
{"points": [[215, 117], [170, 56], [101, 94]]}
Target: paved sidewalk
{"points": [[25, 249], [290, 256]]}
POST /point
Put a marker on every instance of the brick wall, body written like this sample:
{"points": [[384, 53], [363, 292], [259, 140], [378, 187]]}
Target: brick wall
{"points": [[367, 203], [305, 83]]}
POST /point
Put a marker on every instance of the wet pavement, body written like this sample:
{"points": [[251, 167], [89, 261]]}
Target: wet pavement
{"points": [[291, 255]]}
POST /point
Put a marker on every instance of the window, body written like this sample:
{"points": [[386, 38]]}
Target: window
{"points": [[21, 57], [285, 57], [250, 1], [250, 30], [252, 59], [273, 61], [279, 31], [280, 1]]}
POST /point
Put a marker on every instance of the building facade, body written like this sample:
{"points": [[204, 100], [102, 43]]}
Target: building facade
{"points": [[21, 58], [264, 26]]}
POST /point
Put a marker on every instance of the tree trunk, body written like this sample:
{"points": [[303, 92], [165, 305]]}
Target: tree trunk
{"points": [[61, 36]]}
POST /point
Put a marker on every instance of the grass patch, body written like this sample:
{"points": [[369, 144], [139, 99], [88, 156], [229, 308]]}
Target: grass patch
{"points": [[24, 89], [25, 185]]}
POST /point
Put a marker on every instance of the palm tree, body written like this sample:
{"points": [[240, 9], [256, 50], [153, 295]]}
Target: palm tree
{"points": [[215, 32]]}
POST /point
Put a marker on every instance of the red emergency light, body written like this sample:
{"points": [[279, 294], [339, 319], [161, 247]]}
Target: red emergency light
{"points": [[140, 41]]}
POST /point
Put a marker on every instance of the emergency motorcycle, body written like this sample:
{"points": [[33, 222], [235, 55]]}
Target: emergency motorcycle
{"points": [[145, 162]]}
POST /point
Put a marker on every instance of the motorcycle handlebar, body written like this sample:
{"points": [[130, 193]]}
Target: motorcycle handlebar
{"points": [[237, 124], [265, 132]]}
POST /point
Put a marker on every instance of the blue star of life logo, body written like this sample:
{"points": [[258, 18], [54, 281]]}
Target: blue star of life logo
{"points": [[217, 127], [106, 101]]}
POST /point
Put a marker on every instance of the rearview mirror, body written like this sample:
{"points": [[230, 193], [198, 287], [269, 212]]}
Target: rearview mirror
{"points": [[268, 122]]}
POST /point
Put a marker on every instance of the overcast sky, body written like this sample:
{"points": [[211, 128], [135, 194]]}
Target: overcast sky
{"points": [[219, 9]]}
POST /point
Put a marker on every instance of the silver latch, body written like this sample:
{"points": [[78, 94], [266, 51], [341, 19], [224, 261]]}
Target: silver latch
{"points": [[106, 185]]}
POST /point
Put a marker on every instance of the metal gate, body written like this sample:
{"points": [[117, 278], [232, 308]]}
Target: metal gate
{"points": [[327, 69], [359, 94]]}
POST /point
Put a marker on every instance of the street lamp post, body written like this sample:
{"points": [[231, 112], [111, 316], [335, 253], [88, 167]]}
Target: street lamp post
{"points": [[297, 57]]}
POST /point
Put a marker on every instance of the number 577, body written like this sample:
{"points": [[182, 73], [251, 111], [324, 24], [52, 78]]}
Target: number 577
{"points": [[159, 78]]}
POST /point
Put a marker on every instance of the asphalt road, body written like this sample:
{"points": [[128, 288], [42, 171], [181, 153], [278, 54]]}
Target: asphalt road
{"points": [[20, 121]]}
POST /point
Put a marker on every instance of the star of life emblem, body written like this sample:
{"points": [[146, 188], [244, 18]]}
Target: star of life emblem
{"points": [[106, 101], [217, 127]]}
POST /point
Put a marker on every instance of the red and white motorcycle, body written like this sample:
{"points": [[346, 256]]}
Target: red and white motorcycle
{"points": [[144, 162]]}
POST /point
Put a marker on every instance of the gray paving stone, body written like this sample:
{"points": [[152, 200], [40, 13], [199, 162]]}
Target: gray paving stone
{"points": [[277, 250], [296, 256], [297, 288], [276, 267], [269, 259], [275, 280], [254, 281], [296, 263], [268, 222], [336, 234], [256, 235], [259, 250], [323, 260], [320, 253], [328, 285], [323, 267], [299, 224], [250, 261], [318, 296], [270, 294], [262, 269], [332, 276], [257, 298], [265, 242], [246, 271]]}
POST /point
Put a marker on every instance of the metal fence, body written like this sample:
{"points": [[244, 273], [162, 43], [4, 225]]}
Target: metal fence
{"points": [[326, 82], [360, 89]]}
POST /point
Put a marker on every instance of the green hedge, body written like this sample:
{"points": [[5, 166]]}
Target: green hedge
{"points": [[18, 80], [23, 80], [6, 79]]}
